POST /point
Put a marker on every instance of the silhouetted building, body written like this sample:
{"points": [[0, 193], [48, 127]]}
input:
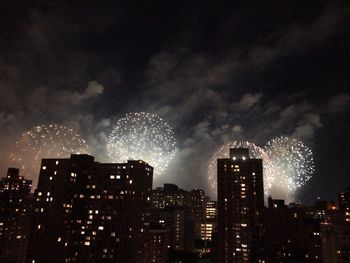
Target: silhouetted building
{"points": [[292, 233], [172, 208], [170, 196], [240, 207], [92, 212], [199, 201], [335, 234], [210, 223], [14, 216], [344, 203], [160, 244]]}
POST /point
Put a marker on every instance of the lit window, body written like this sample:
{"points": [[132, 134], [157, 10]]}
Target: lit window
{"points": [[118, 176], [56, 162], [44, 167], [130, 181], [59, 239], [87, 243], [100, 228], [112, 176]]}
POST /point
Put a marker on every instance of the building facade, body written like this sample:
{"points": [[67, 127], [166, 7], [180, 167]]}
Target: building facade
{"points": [[208, 227], [159, 245], [172, 208], [15, 216], [240, 207], [87, 211]]}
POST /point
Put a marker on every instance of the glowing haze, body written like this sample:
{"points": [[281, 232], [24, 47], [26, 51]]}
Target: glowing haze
{"points": [[143, 136], [254, 152], [288, 164], [45, 141]]}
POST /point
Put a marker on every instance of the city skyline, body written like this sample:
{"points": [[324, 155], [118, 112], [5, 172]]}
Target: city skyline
{"points": [[214, 73], [111, 212]]}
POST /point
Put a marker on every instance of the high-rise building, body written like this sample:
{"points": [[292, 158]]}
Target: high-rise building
{"points": [[335, 235], [159, 244], [199, 201], [209, 225], [240, 207], [344, 203], [14, 216], [87, 211]]}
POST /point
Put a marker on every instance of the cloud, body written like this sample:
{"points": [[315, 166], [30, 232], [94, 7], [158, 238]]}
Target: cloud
{"points": [[249, 100], [103, 123], [299, 38], [339, 103], [93, 89], [308, 126], [237, 128]]}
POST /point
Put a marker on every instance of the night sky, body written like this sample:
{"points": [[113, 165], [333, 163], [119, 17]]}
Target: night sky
{"points": [[215, 72]]}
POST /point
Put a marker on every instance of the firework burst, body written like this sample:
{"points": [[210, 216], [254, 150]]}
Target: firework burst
{"points": [[45, 141], [292, 162], [142, 136]]}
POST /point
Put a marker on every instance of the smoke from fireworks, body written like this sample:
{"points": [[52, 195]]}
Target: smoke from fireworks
{"points": [[254, 152], [288, 164], [142, 136], [45, 141], [292, 163]]}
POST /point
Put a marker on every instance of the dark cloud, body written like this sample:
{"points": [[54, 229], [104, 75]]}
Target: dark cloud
{"points": [[339, 103], [219, 73]]}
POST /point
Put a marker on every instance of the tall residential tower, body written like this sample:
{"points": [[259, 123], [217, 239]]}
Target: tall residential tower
{"points": [[91, 212], [240, 207]]}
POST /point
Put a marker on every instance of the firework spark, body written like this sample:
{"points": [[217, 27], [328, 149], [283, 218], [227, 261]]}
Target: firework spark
{"points": [[45, 141], [254, 151], [142, 136], [292, 163]]}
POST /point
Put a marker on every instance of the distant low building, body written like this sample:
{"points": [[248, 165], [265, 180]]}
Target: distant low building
{"points": [[172, 208], [293, 233], [159, 244]]}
